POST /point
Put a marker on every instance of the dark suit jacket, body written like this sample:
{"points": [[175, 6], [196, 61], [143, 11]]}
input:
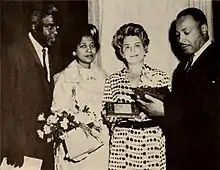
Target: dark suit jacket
{"points": [[192, 112], [27, 94]]}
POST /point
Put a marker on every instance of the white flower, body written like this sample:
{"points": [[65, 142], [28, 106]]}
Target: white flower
{"points": [[49, 140], [52, 119], [64, 123], [59, 113], [63, 136], [40, 134], [41, 117], [47, 129]]}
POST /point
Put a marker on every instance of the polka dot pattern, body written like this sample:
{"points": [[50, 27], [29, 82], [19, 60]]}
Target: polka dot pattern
{"points": [[135, 149]]}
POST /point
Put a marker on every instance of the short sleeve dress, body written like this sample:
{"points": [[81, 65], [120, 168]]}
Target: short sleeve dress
{"points": [[135, 148]]}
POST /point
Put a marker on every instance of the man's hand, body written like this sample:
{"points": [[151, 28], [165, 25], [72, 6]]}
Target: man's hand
{"points": [[153, 108], [15, 159], [141, 117]]}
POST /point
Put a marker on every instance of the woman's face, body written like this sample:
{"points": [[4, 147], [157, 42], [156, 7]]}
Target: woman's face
{"points": [[86, 51], [133, 50]]}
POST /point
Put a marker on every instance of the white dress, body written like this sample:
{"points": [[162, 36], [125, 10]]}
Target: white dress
{"points": [[86, 86]]}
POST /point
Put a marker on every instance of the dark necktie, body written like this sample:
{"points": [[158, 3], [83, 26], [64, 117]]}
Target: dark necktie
{"points": [[189, 63], [44, 62]]}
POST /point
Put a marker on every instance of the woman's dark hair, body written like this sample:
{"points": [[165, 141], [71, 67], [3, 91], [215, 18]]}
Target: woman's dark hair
{"points": [[196, 13], [129, 29], [88, 30]]}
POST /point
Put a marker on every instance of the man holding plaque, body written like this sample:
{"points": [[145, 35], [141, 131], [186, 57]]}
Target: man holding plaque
{"points": [[192, 109]]}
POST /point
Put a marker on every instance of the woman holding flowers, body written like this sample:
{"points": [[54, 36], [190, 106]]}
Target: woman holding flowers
{"points": [[77, 99]]}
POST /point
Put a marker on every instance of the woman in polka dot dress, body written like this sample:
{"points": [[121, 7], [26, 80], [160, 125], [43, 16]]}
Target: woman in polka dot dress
{"points": [[138, 143]]}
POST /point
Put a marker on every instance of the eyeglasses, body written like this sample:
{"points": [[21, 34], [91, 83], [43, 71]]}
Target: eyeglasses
{"points": [[51, 27]]}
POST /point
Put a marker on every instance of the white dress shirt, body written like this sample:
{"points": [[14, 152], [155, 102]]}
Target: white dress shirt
{"points": [[39, 51], [200, 51]]}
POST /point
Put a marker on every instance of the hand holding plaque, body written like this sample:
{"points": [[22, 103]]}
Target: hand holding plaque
{"points": [[150, 100], [156, 92]]}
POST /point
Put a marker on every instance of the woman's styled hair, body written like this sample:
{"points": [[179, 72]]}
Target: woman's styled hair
{"points": [[129, 29], [88, 30]]}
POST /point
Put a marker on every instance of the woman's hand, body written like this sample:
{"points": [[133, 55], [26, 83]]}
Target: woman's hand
{"points": [[113, 119], [153, 108], [112, 122]]}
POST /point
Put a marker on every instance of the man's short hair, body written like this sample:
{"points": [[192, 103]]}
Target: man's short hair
{"points": [[39, 12], [196, 13]]}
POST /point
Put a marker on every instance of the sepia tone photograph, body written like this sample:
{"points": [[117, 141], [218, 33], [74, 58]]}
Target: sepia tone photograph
{"points": [[110, 85]]}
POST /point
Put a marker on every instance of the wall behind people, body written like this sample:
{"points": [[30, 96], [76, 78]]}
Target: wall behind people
{"points": [[155, 16]]}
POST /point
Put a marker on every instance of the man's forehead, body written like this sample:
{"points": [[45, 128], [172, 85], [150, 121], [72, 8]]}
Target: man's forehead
{"points": [[185, 22], [48, 19]]}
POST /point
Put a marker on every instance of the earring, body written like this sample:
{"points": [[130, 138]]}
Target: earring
{"points": [[74, 53], [33, 27]]}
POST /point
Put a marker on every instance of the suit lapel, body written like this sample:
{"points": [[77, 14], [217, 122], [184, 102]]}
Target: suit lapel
{"points": [[33, 58], [195, 77], [202, 62], [33, 53], [182, 78]]}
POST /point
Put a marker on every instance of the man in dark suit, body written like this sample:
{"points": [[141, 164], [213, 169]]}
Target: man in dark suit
{"points": [[192, 109], [28, 90]]}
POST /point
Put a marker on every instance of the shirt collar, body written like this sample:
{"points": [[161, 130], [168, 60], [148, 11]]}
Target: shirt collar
{"points": [[200, 51], [83, 68], [36, 45]]}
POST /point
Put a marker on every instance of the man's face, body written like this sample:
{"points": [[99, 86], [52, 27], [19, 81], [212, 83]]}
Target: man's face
{"points": [[49, 31], [189, 34]]}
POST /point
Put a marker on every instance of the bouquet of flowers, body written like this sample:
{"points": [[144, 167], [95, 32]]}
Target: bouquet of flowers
{"points": [[68, 127]]}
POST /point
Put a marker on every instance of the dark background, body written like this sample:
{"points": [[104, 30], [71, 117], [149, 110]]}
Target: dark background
{"points": [[14, 17], [216, 20]]}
